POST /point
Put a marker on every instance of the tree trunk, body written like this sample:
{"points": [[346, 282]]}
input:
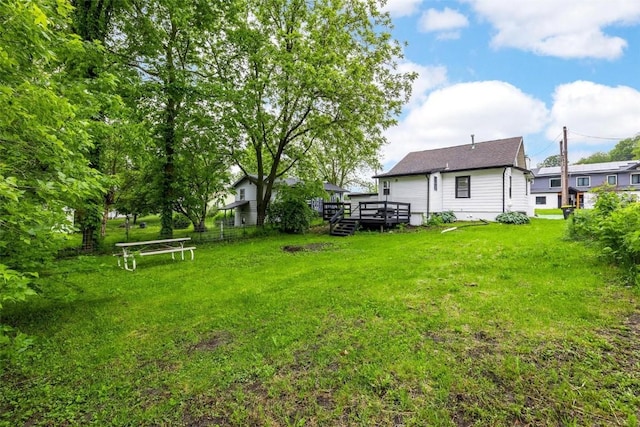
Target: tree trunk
{"points": [[168, 177], [199, 226], [109, 199], [103, 224], [169, 139], [91, 21]]}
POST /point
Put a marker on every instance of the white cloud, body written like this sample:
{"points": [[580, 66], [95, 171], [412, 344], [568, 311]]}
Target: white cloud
{"points": [[398, 8], [429, 78], [566, 29], [449, 35], [595, 110], [448, 116], [442, 21]]}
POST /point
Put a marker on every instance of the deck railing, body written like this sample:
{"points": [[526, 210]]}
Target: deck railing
{"points": [[329, 209], [384, 213]]}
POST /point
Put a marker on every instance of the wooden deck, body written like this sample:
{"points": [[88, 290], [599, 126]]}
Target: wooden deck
{"points": [[371, 215], [383, 214]]}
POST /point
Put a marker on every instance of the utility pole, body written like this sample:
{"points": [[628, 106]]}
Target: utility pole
{"points": [[564, 169]]}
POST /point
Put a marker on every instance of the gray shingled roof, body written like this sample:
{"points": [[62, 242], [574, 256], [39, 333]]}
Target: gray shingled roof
{"points": [[292, 181], [481, 155]]}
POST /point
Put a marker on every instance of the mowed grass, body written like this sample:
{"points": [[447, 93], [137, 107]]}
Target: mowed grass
{"points": [[484, 325]]}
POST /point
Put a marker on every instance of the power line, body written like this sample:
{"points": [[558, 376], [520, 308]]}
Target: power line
{"points": [[553, 141], [612, 138]]}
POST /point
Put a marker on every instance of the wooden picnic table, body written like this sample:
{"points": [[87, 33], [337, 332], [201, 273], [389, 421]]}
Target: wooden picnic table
{"points": [[152, 247]]}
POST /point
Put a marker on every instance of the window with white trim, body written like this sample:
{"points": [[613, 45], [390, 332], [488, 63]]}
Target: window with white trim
{"points": [[583, 181], [541, 200], [386, 187], [635, 178], [612, 179], [463, 187], [555, 183], [241, 195]]}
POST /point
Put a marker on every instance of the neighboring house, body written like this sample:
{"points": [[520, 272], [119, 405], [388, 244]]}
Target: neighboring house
{"points": [[620, 176], [356, 198], [245, 205], [475, 181]]}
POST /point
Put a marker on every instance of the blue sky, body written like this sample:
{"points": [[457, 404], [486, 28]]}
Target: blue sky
{"points": [[502, 68]]}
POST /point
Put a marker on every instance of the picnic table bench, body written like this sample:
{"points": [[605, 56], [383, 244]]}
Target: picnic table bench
{"points": [[151, 247]]}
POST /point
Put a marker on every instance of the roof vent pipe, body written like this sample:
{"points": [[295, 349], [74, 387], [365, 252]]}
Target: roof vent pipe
{"points": [[473, 141]]}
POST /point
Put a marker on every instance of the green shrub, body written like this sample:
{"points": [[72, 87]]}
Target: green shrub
{"points": [[619, 236], [438, 218], [290, 212], [290, 216], [582, 225], [614, 224], [512, 218], [180, 222]]}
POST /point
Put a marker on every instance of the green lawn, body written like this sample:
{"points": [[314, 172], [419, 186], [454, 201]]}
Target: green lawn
{"points": [[485, 325], [548, 211]]}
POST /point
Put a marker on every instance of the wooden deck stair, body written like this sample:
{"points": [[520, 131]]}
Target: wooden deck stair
{"points": [[345, 227]]}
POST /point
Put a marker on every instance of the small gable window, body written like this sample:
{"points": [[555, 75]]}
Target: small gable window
{"points": [[241, 194], [463, 187]]}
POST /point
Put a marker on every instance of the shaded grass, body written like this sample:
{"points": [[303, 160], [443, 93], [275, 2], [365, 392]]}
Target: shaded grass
{"points": [[493, 325]]}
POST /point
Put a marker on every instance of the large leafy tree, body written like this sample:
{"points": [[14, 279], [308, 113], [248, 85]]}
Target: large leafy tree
{"points": [[626, 149], [554, 160], [597, 157], [43, 143], [344, 159], [91, 22], [162, 40], [201, 160], [293, 72]]}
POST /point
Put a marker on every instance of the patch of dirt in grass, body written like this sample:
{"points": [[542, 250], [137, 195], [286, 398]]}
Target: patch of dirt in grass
{"points": [[310, 247], [212, 342]]}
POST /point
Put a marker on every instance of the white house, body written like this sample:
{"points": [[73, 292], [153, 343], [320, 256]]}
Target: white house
{"points": [[475, 181], [245, 205]]}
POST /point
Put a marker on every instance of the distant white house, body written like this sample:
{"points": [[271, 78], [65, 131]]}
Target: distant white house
{"points": [[245, 205], [476, 181]]}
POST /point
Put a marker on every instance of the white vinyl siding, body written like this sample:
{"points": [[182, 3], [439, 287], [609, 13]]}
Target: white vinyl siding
{"points": [[486, 192], [435, 204], [249, 211], [520, 192], [409, 189]]}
